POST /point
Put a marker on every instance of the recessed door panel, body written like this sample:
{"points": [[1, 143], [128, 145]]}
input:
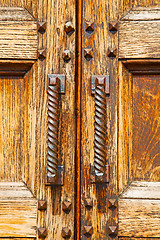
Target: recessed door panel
{"points": [[146, 128]]}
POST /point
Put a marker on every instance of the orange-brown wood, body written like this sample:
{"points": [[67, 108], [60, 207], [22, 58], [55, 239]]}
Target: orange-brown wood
{"points": [[146, 128], [78, 118], [91, 48]]}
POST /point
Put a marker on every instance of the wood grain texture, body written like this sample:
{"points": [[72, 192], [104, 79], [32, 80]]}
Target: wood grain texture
{"points": [[125, 6], [12, 108], [138, 124], [18, 34], [139, 39], [139, 210], [17, 238], [142, 190], [142, 14], [125, 125], [146, 128], [132, 238], [100, 13], [18, 210], [142, 219], [55, 40], [34, 110], [15, 14]]}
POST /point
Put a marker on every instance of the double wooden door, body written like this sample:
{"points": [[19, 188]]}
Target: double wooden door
{"points": [[79, 119]]}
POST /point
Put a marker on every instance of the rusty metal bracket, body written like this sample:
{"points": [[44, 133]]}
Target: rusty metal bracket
{"points": [[100, 77], [101, 177], [62, 79], [54, 172], [54, 179], [99, 88]]}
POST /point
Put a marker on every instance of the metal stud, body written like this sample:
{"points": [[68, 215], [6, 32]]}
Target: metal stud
{"points": [[41, 27], [42, 205], [88, 202], [112, 231], [66, 206], [66, 232], [88, 231], [112, 203], [66, 55], [68, 28], [41, 54], [89, 27], [88, 54], [112, 53], [42, 233], [113, 27]]}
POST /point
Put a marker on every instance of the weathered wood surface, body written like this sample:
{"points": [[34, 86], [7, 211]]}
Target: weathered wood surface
{"points": [[139, 218], [145, 163], [17, 238], [18, 210], [55, 40], [15, 14], [33, 114], [127, 6], [138, 123], [100, 13], [138, 238], [125, 126], [142, 14], [18, 34], [14, 68], [139, 39], [139, 210], [142, 190], [12, 128]]}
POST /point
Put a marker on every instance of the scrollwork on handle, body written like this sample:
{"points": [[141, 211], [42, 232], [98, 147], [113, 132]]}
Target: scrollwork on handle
{"points": [[100, 87], [54, 173]]}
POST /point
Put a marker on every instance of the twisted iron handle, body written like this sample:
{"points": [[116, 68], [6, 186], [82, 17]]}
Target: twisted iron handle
{"points": [[100, 127], [100, 87], [54, 173], [53, 126]]}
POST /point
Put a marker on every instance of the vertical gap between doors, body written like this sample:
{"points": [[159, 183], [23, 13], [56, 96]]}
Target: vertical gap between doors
{"points": [[78, 77]]}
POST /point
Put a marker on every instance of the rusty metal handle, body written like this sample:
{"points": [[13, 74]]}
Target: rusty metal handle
{"points": [[100, 87], [54, 173]]}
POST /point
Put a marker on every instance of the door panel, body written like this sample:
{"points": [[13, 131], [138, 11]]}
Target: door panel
{"points": [[98, 42], [146, 128], [139, 129], [18, 210], [83, 40], [24, 108], [143, 217]]}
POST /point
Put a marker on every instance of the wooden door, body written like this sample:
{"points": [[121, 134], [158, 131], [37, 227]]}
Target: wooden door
{"points": [[79, 119]]}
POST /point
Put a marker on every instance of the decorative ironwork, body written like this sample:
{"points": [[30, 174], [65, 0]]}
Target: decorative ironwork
{"points": [[100, 171], [54, 173]]}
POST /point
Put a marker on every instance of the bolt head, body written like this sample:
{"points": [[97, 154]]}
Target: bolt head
{"points": [[113, 27], [66, 232], [41, 27], [42, 205], [112, 230], [88, 54], [89, 27], [41, 54], [112, 203], [112, 53], [66, 206], [88, 202], [66, 55], [68, 28], [42, 233], [88, 231]]}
